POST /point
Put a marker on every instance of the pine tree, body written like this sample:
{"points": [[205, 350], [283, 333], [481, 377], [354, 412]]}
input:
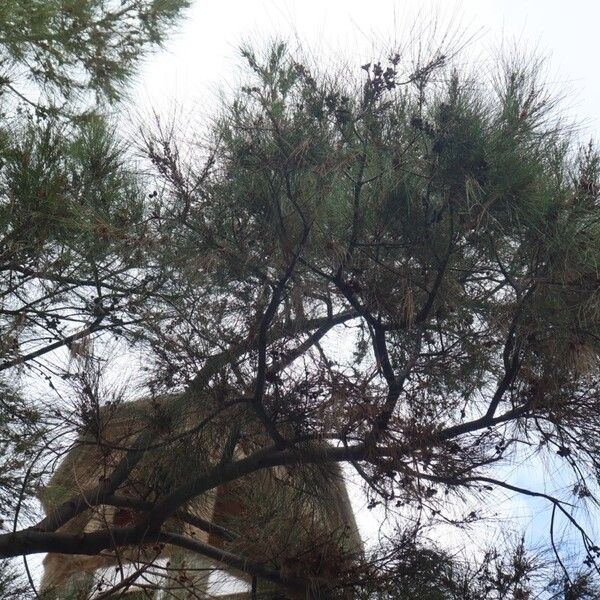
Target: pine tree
{"points": [[401, 262], [65, 198]]}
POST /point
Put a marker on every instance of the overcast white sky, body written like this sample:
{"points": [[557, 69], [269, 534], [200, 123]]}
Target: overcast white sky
{"points": [[203, 55]]}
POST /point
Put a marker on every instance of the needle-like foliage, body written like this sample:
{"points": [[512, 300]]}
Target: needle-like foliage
{"points": [[68, 206], [394, 268]]}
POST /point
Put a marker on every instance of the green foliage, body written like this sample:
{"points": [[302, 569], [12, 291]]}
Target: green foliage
{"points": [[450, 223], [20, 432], [437, 199], [66, 195], [68, 205], [454, 215], [68, 48], [509, 573]]}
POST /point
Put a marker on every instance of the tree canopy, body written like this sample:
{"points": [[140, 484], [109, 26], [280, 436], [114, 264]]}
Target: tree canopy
{"points": [[61, 179], [401, 260]]}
